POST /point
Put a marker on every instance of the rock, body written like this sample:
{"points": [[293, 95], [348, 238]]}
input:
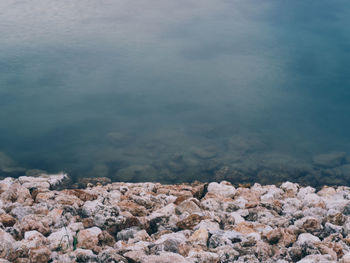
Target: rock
{"points": [[203, 256], [345, 258], [88, 238], [330, 159], [188, 206], [85, 255], [110, 255], [223, 189], [274, 236], [189, 222], [7, 220], [128, 233], [84, 182], [165, 257], [39, 255], [35, 222], [205, 153], [200, 237], [61, 239], [6, 244], [317, 258], [227, 254], [307, 238]]}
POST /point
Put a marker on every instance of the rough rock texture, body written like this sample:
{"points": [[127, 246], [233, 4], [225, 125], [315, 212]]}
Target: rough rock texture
{"points": [[151, 222]]}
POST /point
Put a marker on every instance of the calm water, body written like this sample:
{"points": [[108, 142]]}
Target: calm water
{"points": [[175, 91]]}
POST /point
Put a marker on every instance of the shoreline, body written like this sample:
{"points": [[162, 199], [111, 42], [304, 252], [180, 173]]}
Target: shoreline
{"points": [[41, 220]]}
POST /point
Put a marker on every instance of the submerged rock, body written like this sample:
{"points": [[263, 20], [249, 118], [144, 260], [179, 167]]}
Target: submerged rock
{"points": [[330, 159]]}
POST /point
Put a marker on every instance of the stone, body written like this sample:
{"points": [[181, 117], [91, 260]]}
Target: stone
{"points": [[88, 238], [7, 220], [165, 257], [223, 189], [189, 222], [200, 237], [188, 206], [110, 255], [6, 244], [307, 238], [61, 239], [39, 255], [274, 236]]}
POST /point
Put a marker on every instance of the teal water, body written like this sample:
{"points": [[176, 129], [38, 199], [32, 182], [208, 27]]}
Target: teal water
{"points": [[175, 91]]}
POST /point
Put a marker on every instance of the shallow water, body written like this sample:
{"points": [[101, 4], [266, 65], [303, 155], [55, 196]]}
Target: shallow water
{"points": [[175, 91]]}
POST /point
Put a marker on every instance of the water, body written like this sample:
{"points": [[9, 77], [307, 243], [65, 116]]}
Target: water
{"points": [[175, 91]]}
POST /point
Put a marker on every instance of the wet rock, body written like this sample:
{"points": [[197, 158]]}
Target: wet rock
{"points": [[84, 182], [329, 159]]}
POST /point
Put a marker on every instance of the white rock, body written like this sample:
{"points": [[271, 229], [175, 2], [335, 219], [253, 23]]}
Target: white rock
{"points": [[290, 187], [208, 225], [345, 258], [165, 257], [62, 239], [222, 189], [307, 238], [317, 259], [304, 191], [237, 217]]}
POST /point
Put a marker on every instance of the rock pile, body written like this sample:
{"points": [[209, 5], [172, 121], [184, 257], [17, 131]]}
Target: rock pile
{"points": [[151, 222]]}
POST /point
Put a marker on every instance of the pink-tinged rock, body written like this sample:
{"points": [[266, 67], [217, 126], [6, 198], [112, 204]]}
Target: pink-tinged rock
{"points": [[203, 256], [34, 239], [6, 243], [188, 206], [88, 238], [35, 222], [39, 255], [7, 220], [34, 182], [17, 193], [71, 200], [166, 257], [200, 237]]}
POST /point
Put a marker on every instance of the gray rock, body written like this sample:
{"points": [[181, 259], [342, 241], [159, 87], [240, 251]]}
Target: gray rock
{"points": [[128, 233]]}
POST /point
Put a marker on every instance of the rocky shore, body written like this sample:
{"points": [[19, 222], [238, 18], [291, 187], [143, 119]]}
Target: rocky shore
{"points": [[42, 220]]}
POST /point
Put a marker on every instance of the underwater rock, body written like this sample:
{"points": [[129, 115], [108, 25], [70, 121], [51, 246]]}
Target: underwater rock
{"points": [[136, 172], [330, 160], [205, 153]]}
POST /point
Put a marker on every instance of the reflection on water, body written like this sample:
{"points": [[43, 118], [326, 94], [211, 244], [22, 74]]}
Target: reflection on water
{"points": [[173, 92]]}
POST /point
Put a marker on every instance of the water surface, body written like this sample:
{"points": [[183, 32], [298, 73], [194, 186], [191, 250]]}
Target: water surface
{"points": [[175, 91]]}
